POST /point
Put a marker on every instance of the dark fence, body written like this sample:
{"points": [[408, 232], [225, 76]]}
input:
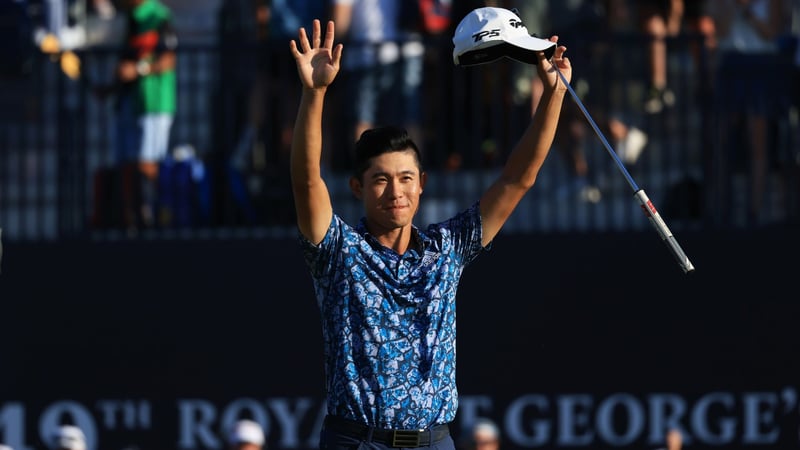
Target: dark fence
{"points": [[57, 144]]}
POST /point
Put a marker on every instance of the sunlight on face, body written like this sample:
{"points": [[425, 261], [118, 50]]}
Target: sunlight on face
{"points": [[391, 190]]}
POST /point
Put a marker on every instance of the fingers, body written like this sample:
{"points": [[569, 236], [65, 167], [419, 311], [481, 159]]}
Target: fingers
{"points": [[337, 55], [316, 38], [559, 53], [304, 45], [316, 34], [329, 34]]}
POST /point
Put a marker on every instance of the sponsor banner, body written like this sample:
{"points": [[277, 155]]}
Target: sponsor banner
{"points": [[717, 419]]}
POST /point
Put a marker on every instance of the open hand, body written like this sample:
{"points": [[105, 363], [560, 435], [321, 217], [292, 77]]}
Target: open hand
{"points": [[318, 60]]}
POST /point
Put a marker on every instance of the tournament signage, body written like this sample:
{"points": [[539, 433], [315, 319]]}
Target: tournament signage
{"points": [[719, 419]]}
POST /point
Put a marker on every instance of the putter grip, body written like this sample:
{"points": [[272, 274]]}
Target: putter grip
{"points": [[663, 231]]}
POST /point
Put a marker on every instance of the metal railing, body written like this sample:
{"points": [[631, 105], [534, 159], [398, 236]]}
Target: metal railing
{"points": [[57, 135]]}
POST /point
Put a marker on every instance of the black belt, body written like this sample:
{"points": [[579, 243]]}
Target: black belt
{"points": [[392, 438]]}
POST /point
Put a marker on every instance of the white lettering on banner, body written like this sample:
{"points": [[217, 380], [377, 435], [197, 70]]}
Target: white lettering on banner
{"points": [[125, 414], [760, 408], [198, 420], [700, 416], [574, 423], [665, 411], [577, 420], [514, 424], [620, 419], [68, 412], [633, 414], [290, 422], [12, 426]]}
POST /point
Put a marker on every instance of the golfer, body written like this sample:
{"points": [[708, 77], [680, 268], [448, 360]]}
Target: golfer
{"points": [[386, 289]]}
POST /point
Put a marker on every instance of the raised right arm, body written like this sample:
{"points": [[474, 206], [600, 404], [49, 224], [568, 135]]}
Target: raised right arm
{"points": [[317, 65]]}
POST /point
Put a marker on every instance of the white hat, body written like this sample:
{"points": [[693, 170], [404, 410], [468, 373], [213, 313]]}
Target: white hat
{"points": [[486, 428], [488, 34], [246, 431], [69, 437]]}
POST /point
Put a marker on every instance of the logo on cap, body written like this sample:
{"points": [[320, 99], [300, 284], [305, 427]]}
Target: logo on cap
{"points": [[486, 33], [516, 23]]}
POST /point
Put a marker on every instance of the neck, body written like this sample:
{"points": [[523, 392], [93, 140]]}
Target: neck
{"points": [[397, 239]]}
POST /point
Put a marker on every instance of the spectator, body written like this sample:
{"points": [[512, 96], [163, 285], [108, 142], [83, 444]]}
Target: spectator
{"points": [[751, 89], [149, 61], [384, 63], [480, 91], [258, 164], [673, 441], [484, 435], [698, 26], [62, 30], [68, 437], [246, 435], [575, 22], [581, 23], [386, 289], [659, 20]]}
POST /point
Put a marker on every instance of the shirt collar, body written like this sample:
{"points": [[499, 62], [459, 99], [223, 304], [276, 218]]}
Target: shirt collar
{"points": [[419, 241]]}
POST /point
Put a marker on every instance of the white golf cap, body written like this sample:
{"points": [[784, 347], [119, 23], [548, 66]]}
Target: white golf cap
{"points": [[246, 432], [488, 34], [69, 437]]}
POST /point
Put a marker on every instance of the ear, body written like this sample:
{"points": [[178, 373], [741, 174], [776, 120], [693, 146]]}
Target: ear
{"points": [[355, 187], [423, 178]]}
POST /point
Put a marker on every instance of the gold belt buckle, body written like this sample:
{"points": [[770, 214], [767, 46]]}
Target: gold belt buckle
{"points": [[406, 438]]}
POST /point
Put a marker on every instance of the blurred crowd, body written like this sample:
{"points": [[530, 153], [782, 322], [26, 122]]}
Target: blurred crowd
{"points": [[397, 60]]}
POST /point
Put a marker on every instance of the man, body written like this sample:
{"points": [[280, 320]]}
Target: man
{"points": [[673, 440], [384, 62], [386, 289], [485, 435], [246, 435], [68, 437], [149, 65]]}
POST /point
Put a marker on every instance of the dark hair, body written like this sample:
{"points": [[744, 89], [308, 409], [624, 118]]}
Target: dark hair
{"points": [[380, 140]]}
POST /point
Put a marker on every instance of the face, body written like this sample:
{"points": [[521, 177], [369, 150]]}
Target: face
{"points": [[390, 190], [486, 441], [674, 440], [246, 446]]}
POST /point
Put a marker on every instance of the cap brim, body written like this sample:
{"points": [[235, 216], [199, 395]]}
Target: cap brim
{"points": [[504, 50]]}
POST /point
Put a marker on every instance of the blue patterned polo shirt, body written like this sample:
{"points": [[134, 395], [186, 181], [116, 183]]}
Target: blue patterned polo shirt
{"points": [[389, 320]]}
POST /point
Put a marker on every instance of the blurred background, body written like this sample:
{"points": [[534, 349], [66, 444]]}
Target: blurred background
{"points": [[154, 301]]}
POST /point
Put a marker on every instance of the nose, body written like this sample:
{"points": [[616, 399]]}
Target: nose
{"points": [[394, 189]]}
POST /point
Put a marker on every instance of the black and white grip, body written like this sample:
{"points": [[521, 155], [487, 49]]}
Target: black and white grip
{"points": [[666, 235]]}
